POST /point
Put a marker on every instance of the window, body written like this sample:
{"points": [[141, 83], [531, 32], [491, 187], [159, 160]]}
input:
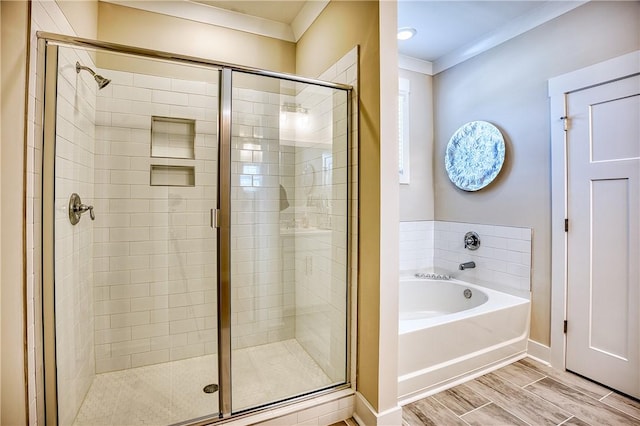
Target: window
{"points": [[403, 130]]}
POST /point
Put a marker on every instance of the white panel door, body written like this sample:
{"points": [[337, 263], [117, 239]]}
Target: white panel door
{"points": [[603, 323]]}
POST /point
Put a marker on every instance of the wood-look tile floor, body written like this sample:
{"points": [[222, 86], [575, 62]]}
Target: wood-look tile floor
{"points": [[524, 393]]}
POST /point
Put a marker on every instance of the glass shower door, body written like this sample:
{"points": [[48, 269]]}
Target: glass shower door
{"points": [[135, 248], [188, 275], [288, 239]]}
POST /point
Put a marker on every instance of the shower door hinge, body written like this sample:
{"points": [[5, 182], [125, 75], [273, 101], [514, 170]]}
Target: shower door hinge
{"points": [[215, 218], [564, 327], [566, 225]]}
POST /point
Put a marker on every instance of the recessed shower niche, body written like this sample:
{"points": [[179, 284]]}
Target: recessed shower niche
{"points": [[181, 281], [173, 137]]}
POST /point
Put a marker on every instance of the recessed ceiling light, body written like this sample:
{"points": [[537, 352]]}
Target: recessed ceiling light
{"points": [[406, 33]]}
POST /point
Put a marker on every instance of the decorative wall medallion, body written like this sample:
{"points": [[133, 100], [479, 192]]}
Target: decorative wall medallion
{"points": [[475, 154]]}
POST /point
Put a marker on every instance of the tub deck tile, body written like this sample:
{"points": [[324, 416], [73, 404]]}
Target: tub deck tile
{"points": [[461, 399]]}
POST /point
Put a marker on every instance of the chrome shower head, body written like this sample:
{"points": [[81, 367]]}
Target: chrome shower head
{"points": [[102, 81]]}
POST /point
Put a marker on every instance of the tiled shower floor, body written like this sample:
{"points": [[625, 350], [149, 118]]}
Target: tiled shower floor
{"points": [[167, 393]]}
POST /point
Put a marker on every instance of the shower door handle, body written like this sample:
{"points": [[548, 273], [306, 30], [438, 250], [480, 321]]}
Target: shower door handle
{"points": [[76, 208]]}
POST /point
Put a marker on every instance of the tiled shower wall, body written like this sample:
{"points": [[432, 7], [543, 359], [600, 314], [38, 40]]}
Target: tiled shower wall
{"points": [[155, 251], [503, 261], [74, 306], [262, 302], [45, 16], [321, 266]]}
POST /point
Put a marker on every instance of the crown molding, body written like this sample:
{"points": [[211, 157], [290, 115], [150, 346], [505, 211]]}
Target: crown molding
{"points": [[307, 15], [416, 65], [212, 15]]}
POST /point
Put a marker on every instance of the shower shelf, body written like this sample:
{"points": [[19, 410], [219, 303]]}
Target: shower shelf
{"points": [[164, 175], [173, 137]]}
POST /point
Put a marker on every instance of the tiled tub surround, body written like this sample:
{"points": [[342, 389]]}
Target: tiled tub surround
{"points": [[416, 246], [503, 261], [489, 335]]}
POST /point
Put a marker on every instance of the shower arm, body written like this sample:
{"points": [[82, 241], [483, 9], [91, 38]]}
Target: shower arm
{"points": [[83, 67]]}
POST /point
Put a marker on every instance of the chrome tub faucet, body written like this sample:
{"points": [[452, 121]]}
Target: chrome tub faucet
{"points": [[467, 265]]}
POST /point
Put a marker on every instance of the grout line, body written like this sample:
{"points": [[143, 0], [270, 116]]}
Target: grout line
{"points": [[450, 410], [477, 408], [635, 416], [497, 372], [601, 399], [562, 410], [513, 414], [565, 421], [536, 381]]}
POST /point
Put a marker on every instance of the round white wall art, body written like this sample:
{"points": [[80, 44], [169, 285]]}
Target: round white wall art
{"points": [[475, 154]]}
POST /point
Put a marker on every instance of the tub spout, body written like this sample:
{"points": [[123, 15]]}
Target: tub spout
{"points": [[467, 265]]}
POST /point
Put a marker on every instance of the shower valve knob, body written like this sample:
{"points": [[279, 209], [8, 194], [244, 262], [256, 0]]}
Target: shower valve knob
{"points": [[76, 208], [471, 241]]}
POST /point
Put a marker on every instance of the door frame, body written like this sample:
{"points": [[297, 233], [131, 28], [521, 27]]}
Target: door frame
{"points": [[559, 87]]}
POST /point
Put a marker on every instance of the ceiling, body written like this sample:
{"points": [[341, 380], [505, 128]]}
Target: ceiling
{"points": [[444, 26], [448, 31]]}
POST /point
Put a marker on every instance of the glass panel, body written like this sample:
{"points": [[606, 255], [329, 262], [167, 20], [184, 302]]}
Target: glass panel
{"points": [[288, 239], [135, 289]]}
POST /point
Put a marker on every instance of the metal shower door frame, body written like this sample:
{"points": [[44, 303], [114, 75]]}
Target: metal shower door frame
{"points": [[47, 66]]}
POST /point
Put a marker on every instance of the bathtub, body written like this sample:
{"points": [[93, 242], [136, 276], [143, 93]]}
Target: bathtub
{"points": [[446, 338]]}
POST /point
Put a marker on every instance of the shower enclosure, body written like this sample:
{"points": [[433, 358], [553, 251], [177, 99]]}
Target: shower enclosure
{"points": [[194, 235]]}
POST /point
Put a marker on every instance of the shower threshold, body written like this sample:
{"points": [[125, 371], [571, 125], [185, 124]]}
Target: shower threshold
{"points": [[172, 392]]}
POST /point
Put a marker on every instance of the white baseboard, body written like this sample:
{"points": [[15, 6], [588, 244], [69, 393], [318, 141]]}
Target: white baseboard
{"points": [[365, 414], [539, 352]]}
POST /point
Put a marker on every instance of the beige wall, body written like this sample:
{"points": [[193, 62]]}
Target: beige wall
{"points": [[134, 27], [508, 87], [342, 25], [82, 15], [14, 39], [416, 198]]}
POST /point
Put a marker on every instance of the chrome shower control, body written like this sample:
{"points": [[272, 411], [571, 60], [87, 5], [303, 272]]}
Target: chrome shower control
{"points": [[76, 208], [471, 241]]}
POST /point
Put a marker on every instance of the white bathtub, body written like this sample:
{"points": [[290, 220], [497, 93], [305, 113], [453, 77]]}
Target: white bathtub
{"points": [[445, 338]]}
